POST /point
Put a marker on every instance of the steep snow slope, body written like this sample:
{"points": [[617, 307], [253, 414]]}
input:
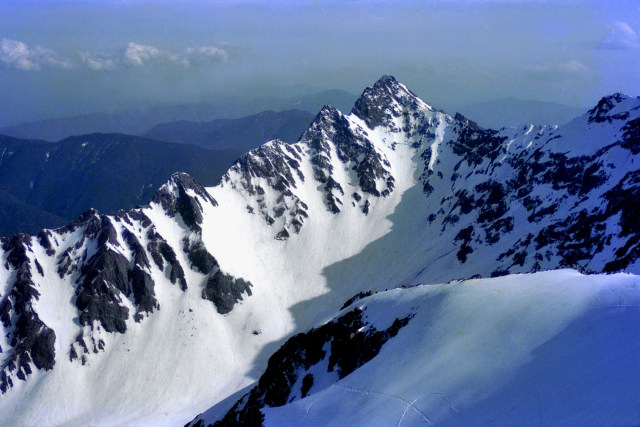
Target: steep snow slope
{"points": [[153, 315], [550, 348]]}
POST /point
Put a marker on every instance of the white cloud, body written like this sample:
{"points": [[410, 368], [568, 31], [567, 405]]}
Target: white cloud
{"points": [[208, 51], [621, 36], [203, 55], [100, 64], [139, 55], [571, 67], [97, 62], [19, 55]]}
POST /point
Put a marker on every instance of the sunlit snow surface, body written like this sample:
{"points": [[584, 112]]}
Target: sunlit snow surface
{"points": [[552, 348], [538, 349]]}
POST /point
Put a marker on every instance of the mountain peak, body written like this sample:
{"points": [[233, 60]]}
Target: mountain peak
{"points": [[610, 108], [180, 195], [387, 79], [385, 100], [388, 85]]}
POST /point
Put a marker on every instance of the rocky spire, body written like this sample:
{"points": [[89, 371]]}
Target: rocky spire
{"points": [[378, 105]]}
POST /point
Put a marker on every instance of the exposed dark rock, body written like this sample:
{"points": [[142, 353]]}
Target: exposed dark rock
{"points": [[631, 136], [332, 203], [31, 340], [108, 276], [80, 221], [476, 145], [386, 100], [138, 215], [104, 278], [142, 288], [66, 265], [368, 171], [497, 229], [365, 207], [277, 164], [600, 113], [43, 238], [39, 268], [575, 175], [460, 118], [348, 146], [175, 199], [307, 383], [354, 150], [140, 258], [225, 291], [282, 235], [271, 162], [73, 355], [121, 215], [190, 210], [357, 297], [353, 342], [465, 236], [199, 257], [499, 273], [159, 250], [624, 199]]}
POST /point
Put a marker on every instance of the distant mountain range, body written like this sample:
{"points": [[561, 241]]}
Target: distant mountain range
{"points": [[18, 216], [46, 184], [139, 122], [242, 134], [516, 112]]}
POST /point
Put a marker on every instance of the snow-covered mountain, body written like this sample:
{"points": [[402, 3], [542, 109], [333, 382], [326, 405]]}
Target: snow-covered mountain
{"points": [[534, 349], [153, 315]]}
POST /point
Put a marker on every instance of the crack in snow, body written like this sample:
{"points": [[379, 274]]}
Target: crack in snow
{"points": [[407, 403], [445, 400], [404, 413]]}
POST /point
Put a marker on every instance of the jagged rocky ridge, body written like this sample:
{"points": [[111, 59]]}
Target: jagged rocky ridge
{"points": [[471, 202], [338, 347], [30, 339], [332, 141], [108, 261], [514, 200], [484, 183]]}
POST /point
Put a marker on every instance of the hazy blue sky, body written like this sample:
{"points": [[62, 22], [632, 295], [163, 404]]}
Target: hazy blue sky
{"points": [[59, 58]]}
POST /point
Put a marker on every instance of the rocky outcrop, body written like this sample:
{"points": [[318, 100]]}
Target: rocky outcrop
{"points": [[340, 346]]}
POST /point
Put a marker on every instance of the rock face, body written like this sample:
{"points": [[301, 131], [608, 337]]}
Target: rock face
{"points": [[338, 347], [569, 200], [30, 339], [488, 185], [510, 201], [108, 262]]}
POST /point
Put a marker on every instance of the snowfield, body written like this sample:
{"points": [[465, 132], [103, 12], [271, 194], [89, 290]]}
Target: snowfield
{"points": [[227, 300], [552, 348]]}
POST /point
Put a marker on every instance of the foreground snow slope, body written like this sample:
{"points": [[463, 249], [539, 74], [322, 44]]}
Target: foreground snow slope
{"points": [[552, 348], [153, 315]]}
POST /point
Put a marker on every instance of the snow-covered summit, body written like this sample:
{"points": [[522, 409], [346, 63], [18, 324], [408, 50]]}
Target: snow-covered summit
{"points": [[207, 282], [617, 106], [385, 101]]}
